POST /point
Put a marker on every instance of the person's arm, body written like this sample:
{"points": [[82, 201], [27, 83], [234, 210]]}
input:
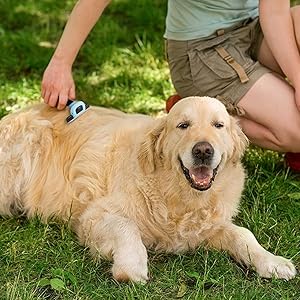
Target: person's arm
{"points": [[277, 26], [57, 83]]}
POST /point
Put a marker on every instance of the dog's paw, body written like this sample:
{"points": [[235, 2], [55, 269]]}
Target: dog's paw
{"points": [[128, 272], [276, 266], [131, 266]]}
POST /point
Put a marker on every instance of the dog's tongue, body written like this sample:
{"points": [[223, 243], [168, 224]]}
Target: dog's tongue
{"points": [[201, 175]]}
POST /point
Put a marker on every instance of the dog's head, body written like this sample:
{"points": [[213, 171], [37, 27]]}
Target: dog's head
{"points": [[197, 138]]}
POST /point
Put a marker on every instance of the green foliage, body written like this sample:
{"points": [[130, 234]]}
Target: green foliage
{"points": [[59, 280], [122, 65]]}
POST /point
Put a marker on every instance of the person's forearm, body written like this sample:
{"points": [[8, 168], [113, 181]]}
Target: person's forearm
{"points": [[277, 26], [81, 21]]}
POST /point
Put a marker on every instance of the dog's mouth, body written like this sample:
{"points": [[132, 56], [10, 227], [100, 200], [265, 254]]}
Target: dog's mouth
{"points": [[200, 177]]}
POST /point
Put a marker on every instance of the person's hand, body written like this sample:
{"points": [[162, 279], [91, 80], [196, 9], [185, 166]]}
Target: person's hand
{"points": [[58, 84]]}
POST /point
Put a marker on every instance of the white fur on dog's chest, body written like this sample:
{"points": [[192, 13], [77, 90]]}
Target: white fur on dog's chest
{"points": [[182, 232], [176, 224], [189, 231]]}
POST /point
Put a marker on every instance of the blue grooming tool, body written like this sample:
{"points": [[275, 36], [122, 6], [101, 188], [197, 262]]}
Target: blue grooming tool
{"points": [[77, 108]]}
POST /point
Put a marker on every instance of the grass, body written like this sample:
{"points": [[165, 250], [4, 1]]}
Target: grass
{"points": [[110, 69], [122, 65]]}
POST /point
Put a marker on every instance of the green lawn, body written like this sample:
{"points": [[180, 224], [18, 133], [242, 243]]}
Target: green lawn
{"points": [[122, 65]]}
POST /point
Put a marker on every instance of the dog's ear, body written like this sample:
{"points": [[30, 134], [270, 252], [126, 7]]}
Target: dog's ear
{"points": [[240, 141], [150, 148]]}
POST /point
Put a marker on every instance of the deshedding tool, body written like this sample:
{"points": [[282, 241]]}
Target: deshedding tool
{"points": [[77, 108]]}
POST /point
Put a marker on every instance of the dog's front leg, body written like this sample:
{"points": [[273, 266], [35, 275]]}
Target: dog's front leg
{"points": [[243, 246], [116, 237]]}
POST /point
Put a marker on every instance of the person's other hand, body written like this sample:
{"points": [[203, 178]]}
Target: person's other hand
{"points": [[58, 84]]}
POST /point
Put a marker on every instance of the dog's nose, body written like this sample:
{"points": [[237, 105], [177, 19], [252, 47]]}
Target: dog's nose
{"points": [[203, 152]]}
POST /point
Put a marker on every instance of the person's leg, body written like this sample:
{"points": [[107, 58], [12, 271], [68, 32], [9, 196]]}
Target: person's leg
{"points": [[271, 119], [295, 11], [266, 58]]}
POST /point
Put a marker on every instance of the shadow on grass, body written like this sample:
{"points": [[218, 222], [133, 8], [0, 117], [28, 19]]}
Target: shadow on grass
{"points": [[30, 31]]}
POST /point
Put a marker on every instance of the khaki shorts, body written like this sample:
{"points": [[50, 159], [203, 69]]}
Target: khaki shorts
{"points": [[223, 66]]}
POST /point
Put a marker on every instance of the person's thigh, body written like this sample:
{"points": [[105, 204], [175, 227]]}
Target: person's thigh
{"points": [[295, 13], [266, 58], [271, 119]]}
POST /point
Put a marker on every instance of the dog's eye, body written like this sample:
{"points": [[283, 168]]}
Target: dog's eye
{"points": [[218, 124], [183, 125]]}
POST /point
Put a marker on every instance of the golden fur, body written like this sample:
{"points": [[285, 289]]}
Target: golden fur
{"points": [[118, 179]]}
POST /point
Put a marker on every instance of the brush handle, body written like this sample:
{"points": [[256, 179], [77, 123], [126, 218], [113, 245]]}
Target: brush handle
{"points": [[69, 102]]}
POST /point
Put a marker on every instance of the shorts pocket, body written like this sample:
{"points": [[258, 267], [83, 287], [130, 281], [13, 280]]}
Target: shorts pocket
{"points": [[216, 64]]}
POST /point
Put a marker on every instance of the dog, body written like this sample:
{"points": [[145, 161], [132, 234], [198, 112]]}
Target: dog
{"points": [[127, 182]]}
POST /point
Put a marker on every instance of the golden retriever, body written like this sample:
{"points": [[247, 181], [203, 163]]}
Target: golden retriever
{"points": [[127, 182]]}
